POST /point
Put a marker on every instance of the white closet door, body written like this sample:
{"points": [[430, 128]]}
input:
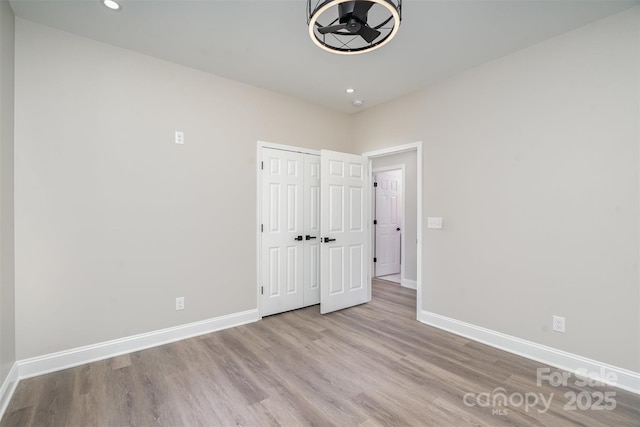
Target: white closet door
{"points": [[344, 279], [283, 235], [311, 213]]}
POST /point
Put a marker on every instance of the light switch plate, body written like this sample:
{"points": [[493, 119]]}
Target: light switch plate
{"points": [[434, 222]]}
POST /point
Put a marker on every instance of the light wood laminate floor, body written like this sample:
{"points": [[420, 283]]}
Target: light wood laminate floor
{"points": [[369, 365]]}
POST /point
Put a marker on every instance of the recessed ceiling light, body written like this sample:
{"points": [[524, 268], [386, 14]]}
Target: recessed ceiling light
{"points": [[111, 4], [350, 90], [357, 102]]}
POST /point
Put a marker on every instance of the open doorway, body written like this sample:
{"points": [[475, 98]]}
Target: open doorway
{"points": [[407, 159], [395, 225]]}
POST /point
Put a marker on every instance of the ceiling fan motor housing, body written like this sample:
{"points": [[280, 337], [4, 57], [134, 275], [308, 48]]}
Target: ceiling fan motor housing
{"points": [[346, 12], [353, 26]]}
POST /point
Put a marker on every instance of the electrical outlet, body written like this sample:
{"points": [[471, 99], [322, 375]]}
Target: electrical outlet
{"points": [[558, 324], [434, 222], [179, 137], [180, 303]]}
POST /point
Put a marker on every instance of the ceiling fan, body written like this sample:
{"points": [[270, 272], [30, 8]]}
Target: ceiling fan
{"points": [[353, 26], [353, 19]]}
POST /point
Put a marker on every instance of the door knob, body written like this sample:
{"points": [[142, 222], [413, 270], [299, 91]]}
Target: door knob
{"points": [[307, 237], [398, 229], [327, 240], [299, 238]]}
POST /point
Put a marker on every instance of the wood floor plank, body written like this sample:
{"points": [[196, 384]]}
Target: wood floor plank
{"points": [[370, 365]]}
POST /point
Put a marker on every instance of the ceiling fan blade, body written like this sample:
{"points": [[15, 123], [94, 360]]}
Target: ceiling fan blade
{"points": [[360, 10], [368, 33], [331, 28]]}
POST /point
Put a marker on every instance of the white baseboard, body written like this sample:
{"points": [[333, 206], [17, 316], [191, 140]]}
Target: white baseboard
{"points": [[411, 284], [625, 379], [8, 387], [79, 356]]}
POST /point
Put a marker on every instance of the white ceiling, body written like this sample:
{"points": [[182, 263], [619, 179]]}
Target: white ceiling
{"points": [[266, 43]]}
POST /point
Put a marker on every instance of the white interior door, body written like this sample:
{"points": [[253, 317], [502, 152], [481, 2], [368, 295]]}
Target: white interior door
{"points": [[311, 214], [344, 252], [282, 235], [388, 222]]}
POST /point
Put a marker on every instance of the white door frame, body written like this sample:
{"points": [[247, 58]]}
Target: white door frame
{"points": [[260, 145], [402, 219], [417, 146]]}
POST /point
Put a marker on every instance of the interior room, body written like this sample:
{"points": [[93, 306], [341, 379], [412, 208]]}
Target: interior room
{"points": [[137, 289]]}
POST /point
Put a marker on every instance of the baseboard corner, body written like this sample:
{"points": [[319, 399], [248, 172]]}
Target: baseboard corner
{"points": [[7, 388], [408, 283]]}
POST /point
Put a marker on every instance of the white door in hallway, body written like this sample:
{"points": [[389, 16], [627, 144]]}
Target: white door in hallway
{"points": [[282, 234], [388, 215], [344, 253]]}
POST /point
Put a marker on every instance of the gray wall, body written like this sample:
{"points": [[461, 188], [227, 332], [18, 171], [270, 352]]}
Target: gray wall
{"points": [[114, 220], [533, 162], [408, 159], [7, 306]]}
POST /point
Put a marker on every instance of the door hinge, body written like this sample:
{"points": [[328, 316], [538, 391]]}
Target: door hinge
{"points": [[375, 222], [375, 184], [262, 228], [375, 260], [261, 290], [261, 165]]}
